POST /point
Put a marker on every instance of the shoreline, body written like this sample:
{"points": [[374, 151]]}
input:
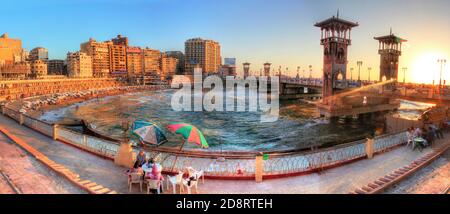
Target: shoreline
{"points": [[40, 105]]}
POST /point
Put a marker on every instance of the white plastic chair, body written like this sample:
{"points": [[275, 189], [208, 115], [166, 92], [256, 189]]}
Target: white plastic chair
{"points": [[135, 178], [153, 184], [189, 187], [175, 180], [196, 174]]}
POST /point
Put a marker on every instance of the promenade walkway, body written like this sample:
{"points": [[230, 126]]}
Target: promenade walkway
{"points": [[337, 180], [27, 174]]}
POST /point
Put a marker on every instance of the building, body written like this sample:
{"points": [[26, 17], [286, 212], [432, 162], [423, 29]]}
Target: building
{"points": [[10, 50], [38, 68], [180, 57], [56, 67], [204, 53], [135, 65], [39, 53], [168, 66], [120, 40], [227, 70], [151, 60], [79, 64], [118, 55], [17, 70], [100, 54]]}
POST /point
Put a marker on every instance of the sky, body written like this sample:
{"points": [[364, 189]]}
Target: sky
{"points": [[257, 31]]}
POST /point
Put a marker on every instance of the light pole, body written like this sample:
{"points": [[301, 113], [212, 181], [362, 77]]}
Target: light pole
{"points": [[404, 75], [359, 63], [351, 74], [442, 62], [310, 73], [369, 68]]}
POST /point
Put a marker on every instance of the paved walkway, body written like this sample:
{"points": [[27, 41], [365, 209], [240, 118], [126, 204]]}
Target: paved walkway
{"points": [[28, 174], [337, 180], [432, 179]]}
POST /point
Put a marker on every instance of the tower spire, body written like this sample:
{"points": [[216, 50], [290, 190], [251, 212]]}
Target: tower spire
{"points": [[390, 32], [337, 14]]}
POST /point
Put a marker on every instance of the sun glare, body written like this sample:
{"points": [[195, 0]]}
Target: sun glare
{"points": [[426, 68]]}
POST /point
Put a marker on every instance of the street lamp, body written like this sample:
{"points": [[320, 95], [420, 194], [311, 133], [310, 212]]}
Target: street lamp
{"points": [[442, 62], [351, 74], [359, 63], [310, 73], [369, 68], [404, 74]]}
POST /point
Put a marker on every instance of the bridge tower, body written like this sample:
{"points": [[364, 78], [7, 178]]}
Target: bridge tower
{"points": [[267, 69], [390, 50], [246, 69], [335, 38]]}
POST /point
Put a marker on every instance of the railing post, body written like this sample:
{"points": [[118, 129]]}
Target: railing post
{"points": [[21, 118], [55, 131], [259, 168], [85, 141], [369, 147]]}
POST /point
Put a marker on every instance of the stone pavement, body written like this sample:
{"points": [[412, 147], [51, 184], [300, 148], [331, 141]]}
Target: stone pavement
{"points": [[432, 179], [28, 174], [337, 180]]}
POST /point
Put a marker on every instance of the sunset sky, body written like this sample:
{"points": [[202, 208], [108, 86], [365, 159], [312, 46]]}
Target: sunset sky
{"points": [[278, 31]]}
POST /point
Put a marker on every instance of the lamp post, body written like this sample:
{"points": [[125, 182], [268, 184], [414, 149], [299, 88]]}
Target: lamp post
{"points": [[442, 62], [351, 74], [359, 63], [369, 69], [404, 75], [310, 73]]}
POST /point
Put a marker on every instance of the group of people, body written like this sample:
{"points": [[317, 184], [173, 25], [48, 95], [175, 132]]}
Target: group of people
{"points": [[141, 161], [425, 136]]}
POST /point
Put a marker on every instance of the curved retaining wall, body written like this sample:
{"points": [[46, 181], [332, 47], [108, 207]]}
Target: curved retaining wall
{"points": [[239, 165]]}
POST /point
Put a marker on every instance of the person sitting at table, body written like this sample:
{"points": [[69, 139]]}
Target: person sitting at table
{"points": [[156, 171], [140, 159]]}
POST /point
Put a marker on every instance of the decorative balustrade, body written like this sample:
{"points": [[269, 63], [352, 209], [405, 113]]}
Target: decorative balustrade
{"points": [[223, 165]]}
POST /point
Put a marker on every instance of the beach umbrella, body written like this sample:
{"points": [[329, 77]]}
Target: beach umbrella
{"points": [[190, 133], [148, 132]]}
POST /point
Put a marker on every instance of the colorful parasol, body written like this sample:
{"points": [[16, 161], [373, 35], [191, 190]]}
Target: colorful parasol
{"points": [[190, 133], [148, 132]]}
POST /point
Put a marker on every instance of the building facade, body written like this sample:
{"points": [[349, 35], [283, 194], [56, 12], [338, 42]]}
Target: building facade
{"points": [[17, 70], [79, 65], [38, 53], [100, 54], [118, 55], [168, 66], [180, 57], [151, 60], [135, 65], [10, 50], [56, 67], [202, 53], [38, 68]]}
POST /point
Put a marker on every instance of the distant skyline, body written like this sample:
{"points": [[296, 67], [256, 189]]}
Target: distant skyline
{"points": [[277, 31]]}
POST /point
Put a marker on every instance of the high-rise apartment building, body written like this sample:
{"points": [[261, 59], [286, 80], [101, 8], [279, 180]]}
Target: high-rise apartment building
{"points": [[10, 50], [118, 55], [79, 65], [135, 65], [38, 53], [100, 54], [56, 67], [180, 57], [168, 66], [151, 60], [202, 53]]}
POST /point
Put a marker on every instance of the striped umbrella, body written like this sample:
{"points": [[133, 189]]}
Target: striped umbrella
{"points": [[148, 132], [190, 133]]}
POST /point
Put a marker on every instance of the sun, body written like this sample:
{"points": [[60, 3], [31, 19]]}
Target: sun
{"points": [[426, 69]]}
